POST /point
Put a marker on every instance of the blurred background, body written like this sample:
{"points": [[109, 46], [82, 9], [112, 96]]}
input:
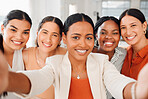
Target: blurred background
{"points": [[38, 9]]}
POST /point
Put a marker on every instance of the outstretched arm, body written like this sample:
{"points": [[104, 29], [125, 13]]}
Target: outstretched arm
{"points": [[10, 81], [18, 83], [3, 73], [141, 86]]}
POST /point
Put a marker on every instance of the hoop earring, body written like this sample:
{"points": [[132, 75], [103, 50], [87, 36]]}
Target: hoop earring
{"points": [[145, 32]]}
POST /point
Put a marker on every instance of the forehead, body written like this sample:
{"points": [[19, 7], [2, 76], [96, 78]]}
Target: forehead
{"points": [[81, 26], [110, 24], [52, 26], [127, 19], [19, 23]]}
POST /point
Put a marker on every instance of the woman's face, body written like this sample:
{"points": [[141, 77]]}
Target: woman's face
{"points": [[132, 30], [49, 37], [79, 40], [16, 34], [108, 36]]}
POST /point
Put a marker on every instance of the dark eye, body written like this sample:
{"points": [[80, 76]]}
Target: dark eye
{"points": [[45, 32], [133, 25], [102, 33], [115, 33], [89, 38], [55, 35], [122, 27], [76, 37], [13, 30], [26, 32]]}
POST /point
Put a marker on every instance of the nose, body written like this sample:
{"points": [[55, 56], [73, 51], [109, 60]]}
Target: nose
{"points": [[19, 35], [49, 38], [128, 31], [109, 36], [82, 43]]}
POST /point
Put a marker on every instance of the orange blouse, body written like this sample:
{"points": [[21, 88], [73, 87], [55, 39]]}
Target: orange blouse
{"points": [[80, 89], [131, 67]]}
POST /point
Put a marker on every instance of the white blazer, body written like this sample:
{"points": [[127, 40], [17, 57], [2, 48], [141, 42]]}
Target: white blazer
{"points": [[101, 73]]}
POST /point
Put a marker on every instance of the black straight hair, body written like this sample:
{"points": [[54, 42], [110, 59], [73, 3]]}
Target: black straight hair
{"points": [[16, 14], [51, 19], [135, 13], [78, 17]]}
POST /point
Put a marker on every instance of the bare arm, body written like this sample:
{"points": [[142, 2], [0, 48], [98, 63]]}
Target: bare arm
{"points": [[3, 73], [19, 83], [141, 87], [10, 81]]}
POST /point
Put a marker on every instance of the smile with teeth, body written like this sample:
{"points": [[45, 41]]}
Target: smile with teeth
{"points": [[47, 45], [108, 43], [15, 42], [130, 38], [81, 51]]}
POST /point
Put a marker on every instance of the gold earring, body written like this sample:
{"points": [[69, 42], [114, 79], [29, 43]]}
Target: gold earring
{"points": [[145, 32]]}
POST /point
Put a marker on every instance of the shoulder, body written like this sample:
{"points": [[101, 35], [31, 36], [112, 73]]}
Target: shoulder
{"points": [[121, 50], [28, 52], [61, 51], [99, 57], [54, 59]]}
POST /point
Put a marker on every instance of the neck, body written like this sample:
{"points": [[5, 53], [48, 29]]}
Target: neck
{"points": [[43, 55], [78, 65], [141, 44], [109, 53], [7, 49]]}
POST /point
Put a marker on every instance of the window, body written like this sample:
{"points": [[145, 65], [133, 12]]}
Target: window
{"points": [[8, 5], [144, 8], [114, 7]]}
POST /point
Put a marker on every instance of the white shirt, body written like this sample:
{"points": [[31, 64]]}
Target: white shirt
{"points": [[17, 64], [101, 74], [117, 60]]}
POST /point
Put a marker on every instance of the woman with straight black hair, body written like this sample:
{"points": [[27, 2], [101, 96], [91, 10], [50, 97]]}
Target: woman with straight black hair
{"points": [[133, 30], [15, 34]]}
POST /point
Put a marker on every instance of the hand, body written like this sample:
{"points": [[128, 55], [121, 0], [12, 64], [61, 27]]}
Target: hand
{"points": [[142, 84], [3, 73]]}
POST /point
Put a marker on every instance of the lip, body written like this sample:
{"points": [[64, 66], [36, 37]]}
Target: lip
{"points": [[108, 43], [16, 42], [130, 38], [81, 52], [46, 45]]}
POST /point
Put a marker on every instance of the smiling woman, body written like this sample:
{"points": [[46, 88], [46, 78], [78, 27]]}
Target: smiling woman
{"points": [[133, 30], [48, 40], [15, 34]]}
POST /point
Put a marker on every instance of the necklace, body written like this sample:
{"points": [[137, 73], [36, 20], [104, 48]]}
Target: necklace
{"points": [[40, 62], [78, 74]]}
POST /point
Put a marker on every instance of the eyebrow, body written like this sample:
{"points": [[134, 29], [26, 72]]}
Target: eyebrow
{"points": [[80, 34], [115, 30], [48, 31], [130, 24], [13, 26], [17, 28]]}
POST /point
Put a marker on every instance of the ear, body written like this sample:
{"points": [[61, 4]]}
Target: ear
{"points": [[64, 38], [144, 26], [2, 29], [96, 36]]}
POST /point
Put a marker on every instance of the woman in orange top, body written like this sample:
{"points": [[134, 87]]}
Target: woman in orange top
{"points": [[133, 30]]}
